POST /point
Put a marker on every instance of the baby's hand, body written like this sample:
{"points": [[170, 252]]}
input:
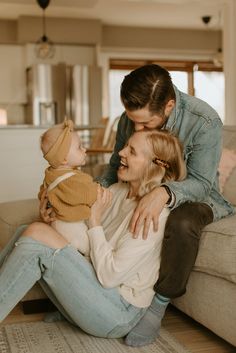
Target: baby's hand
{"points": [[46, 213]]}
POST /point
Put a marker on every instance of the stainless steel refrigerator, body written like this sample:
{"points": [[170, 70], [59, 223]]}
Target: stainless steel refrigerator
{"points": [[56, 91]]}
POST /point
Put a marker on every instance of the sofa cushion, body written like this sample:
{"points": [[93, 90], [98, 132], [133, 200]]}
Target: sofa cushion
{"points": [[229, 143], [210, 300], [229, 190], [226, 166], [15, 213], [229, 137], [216, 255]]}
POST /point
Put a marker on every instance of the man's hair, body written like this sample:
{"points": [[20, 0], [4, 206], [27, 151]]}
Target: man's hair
{"points": [[166, 160], [50, 136], [147, 86]]}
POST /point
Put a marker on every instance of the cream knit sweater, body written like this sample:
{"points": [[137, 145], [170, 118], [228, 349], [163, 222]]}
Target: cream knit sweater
{"points": [[131, 265]]}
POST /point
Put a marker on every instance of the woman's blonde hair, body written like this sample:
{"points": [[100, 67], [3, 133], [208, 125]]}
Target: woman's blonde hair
{"points": [[166, 160]]}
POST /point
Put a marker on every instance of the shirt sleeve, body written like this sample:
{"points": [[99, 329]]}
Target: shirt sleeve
{"points": [[202, 164], [41, 189], [114, 266]]}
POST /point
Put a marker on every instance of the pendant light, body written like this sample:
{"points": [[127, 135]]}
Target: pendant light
{"points": [[44, 48]]}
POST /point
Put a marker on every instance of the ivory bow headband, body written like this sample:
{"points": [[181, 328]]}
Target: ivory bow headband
{"points": [[60, 149]]}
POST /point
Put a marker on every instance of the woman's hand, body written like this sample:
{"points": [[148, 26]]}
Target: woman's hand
{"points": [[104, 197], [148, 210], [46, 213]]}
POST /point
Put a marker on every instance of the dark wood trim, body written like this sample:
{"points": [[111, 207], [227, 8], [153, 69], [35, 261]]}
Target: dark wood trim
{"points": [[191, 90], [170, 65]]}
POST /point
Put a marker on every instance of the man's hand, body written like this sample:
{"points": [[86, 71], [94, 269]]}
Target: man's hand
{"points": [[148, 210], [46, 213]]}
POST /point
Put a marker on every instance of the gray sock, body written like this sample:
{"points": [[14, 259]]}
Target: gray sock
{"points": [[147, 329]]}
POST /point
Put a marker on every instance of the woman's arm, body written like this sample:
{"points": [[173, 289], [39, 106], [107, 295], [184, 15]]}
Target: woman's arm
{"points": [[202, 163]]}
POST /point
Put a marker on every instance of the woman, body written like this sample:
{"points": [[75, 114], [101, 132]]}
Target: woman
{"points": [[107, 296]]}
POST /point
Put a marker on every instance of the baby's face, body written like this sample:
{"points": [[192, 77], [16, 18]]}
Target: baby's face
{"points": [[77, 153]]}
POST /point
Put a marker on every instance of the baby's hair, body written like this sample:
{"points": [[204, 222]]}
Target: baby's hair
{"points": [[49, 137], [166, 160]]}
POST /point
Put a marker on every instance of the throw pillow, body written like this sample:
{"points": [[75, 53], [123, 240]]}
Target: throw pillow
{"points": [[226, 166]]}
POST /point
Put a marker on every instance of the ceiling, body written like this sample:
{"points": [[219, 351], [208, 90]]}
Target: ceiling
{"points": [[142, 13]]}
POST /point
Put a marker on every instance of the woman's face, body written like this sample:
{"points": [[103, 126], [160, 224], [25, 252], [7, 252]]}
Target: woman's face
{"points": [[135, 157]]}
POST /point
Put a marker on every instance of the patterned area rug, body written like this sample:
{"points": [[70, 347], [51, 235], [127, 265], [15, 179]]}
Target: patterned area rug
{"points": [[61, 337]]}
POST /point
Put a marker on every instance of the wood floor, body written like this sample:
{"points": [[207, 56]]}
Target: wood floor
{"points": [[189, 333], [192, 335]]}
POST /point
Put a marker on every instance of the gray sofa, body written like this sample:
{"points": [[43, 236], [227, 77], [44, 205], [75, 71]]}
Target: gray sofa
{"points": [[211, 293]]}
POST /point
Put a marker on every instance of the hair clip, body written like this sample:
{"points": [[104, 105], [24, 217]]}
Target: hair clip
{"points": [[160, 162]]}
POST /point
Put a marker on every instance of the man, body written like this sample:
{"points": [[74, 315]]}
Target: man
{"points": [[152, 101]]}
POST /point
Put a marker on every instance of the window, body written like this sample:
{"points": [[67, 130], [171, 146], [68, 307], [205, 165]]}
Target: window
{"points": [[180, 79], [204, 80], [209, 86], [115, 79]]}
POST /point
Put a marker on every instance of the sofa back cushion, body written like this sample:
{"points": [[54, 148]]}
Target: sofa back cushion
{"points": [[228, 173]]}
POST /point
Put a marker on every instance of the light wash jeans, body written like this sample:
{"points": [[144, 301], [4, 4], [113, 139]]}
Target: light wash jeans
{"points": [[70, 282]]}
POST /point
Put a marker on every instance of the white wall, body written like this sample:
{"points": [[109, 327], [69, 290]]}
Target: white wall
{"points": [[229, 56], [69, 54], [12, 74], [22, 163]]}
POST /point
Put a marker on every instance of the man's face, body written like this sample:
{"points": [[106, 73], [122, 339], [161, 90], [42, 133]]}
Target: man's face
{"points": [[143, 118]]}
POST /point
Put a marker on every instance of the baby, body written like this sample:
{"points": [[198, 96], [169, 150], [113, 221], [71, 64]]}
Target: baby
{"points": [[70, 192]]}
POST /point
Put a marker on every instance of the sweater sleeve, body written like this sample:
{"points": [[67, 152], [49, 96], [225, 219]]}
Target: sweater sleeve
{"points": [[202, 164], [41, 189], [116, 265]]}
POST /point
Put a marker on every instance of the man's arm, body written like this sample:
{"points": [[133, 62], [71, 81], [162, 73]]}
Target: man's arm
{"points": [[202, 165], [148, 211]]}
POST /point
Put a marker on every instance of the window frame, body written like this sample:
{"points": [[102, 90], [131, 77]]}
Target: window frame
{"points": [[171, 65]]}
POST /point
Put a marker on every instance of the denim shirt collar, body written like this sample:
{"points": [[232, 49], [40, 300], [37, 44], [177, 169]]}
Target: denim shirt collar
{"points": [[173, 116]]}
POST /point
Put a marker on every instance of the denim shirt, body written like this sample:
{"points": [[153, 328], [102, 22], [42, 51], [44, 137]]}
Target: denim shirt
{"points": [[199, 128]]}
